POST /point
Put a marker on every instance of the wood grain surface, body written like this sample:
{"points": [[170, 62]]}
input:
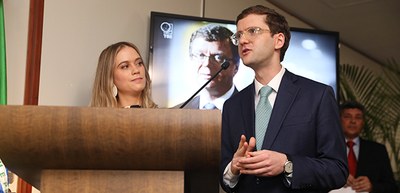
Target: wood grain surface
{"points": [[35, 138], [106, 181]]}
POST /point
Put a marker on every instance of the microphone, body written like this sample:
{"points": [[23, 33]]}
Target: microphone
{"points": [[224, 66], [132, 106]]}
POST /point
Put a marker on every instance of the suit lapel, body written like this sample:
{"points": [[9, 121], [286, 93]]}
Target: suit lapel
{"points": [[247, 110], [285, 98], [362, 153], [235, 91], [194, 103]]}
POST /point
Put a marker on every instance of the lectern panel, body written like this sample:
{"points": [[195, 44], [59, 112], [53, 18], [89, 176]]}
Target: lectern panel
{"points": [[35, 138]]}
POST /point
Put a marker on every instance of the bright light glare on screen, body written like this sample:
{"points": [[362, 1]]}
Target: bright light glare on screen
{"points": [[312, 56], [308, 44]]}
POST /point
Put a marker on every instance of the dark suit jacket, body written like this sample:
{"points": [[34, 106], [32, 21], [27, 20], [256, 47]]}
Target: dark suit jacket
{"points": [[373, 162], [195, 102], [304, 124]]}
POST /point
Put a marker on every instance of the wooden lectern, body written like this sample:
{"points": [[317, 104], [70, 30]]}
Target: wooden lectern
{"points": [[85, 149]]}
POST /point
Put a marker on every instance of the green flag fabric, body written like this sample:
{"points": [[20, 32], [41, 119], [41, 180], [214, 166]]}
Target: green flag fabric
{"points": [[3, 91], [3, 67]]}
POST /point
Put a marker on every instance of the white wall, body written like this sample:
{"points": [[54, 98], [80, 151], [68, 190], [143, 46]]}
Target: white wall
{"points": [[16, 15]]}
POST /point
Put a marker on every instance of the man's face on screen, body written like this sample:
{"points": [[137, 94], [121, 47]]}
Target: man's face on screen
{"points": [[207, 57]]}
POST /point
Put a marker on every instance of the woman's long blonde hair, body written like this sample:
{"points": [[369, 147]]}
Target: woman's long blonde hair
{"points": [[102, 93]]}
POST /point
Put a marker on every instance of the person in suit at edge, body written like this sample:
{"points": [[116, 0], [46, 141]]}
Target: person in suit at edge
{"points": [[373, 172], [210, 46], [303, 149], [122, 79]]}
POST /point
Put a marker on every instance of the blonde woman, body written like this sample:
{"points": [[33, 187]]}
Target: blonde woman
{"points": [[122, 79]]}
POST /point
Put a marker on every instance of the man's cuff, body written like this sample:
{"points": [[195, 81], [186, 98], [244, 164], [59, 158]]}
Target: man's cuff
{"points": [[229, 178]]}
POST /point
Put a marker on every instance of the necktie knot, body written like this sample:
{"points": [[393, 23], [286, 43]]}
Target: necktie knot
{"points": [[209, 106], [350, 144], [265, 91]]}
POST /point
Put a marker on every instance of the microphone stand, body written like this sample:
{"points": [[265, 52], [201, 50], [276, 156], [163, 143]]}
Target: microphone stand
{"points": [[224, 66]]}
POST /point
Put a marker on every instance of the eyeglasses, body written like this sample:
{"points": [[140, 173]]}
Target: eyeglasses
{"points": [[201, 58], [250, 33]]}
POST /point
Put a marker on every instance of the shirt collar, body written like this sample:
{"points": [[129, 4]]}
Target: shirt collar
{"points": [[218, 102], [274, 83], [355, 140]]}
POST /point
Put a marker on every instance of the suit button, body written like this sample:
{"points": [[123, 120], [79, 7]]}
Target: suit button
{"points": [[258, 180]]}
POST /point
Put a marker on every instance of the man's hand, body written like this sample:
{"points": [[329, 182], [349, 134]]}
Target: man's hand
{"points": [[242, 151], [262, 163], [359, 184]]}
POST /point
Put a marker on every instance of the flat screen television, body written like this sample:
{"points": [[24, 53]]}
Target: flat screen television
{"points": [[312, 53]]}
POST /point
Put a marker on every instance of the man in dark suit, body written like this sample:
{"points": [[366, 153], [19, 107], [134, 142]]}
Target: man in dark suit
{"points": [[301, 148], [209, 47], [372, 170]]}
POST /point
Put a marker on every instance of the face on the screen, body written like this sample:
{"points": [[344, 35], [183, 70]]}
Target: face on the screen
{"points": [[207, 58]]}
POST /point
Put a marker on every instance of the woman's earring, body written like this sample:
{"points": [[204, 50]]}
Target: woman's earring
{"points": [[114, 90]]}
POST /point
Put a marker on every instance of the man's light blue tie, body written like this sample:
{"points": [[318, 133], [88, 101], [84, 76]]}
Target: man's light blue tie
{"points": [[263, 113]]}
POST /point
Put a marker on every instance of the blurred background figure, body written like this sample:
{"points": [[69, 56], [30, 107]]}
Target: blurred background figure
{"points": [[369, 164]]}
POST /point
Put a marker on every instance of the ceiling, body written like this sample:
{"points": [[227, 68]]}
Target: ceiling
{"points": [[370, 27]]}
